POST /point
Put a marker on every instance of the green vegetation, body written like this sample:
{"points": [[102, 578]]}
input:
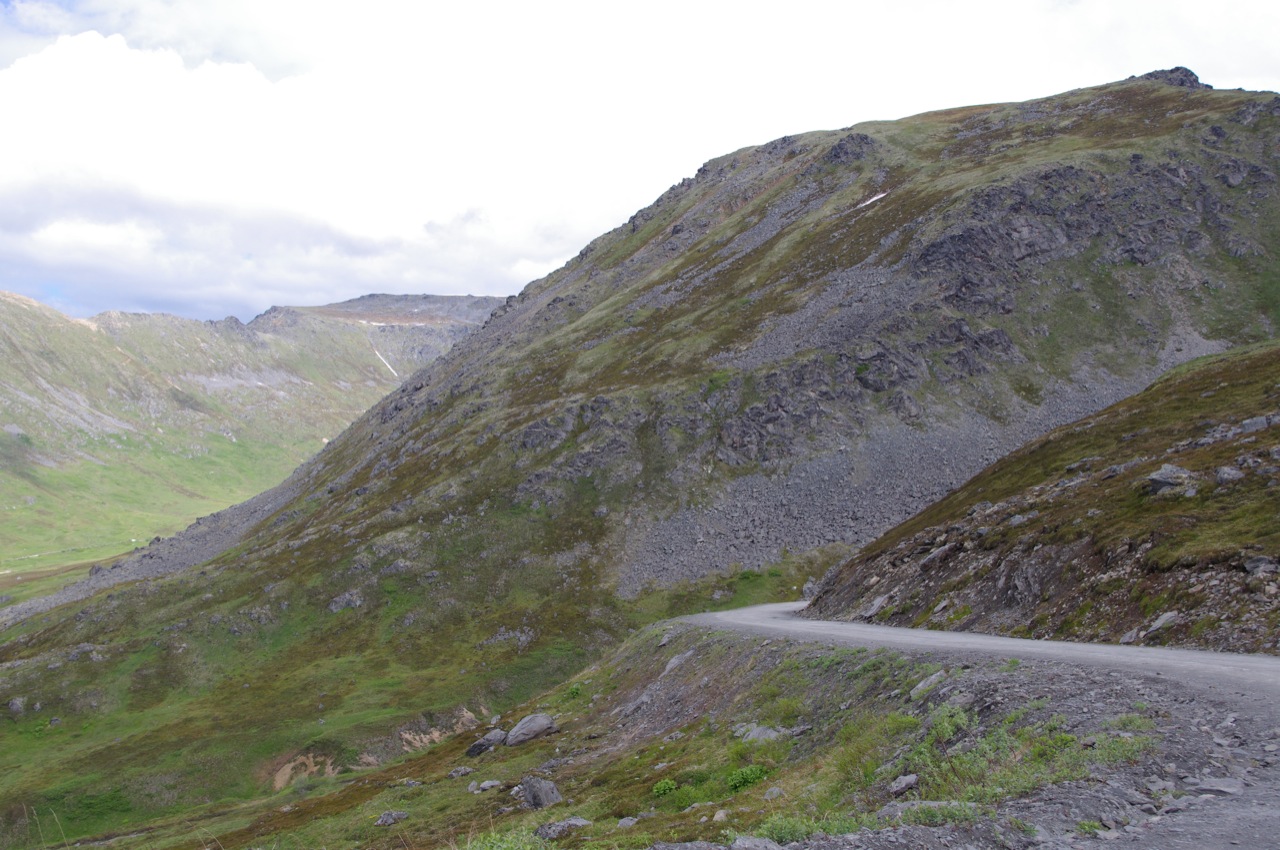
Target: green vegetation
{"points": [[130, 426], [459, 548], [663, 787], [834, 778], [745, 777]]}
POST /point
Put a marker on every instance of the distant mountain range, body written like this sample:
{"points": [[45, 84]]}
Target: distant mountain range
{"points": [[121, 427], [783, 357]]}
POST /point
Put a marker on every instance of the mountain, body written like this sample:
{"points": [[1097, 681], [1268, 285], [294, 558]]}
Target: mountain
{"points": [[1153, 521], [121, 427], [780, 359]]}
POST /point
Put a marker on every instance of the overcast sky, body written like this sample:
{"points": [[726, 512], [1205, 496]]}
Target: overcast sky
{"points": [[215, 158]]}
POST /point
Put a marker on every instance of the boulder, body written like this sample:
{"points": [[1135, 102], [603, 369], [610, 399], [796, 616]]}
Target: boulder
{"points": [[491, 739], [903, 784], [555, 829], [927, 684], [533, 726], [459, 772], [540, 793], [755, 732], [1224, 785], [1260, 565], [1169, 476], [390, 818], [750, 842], [1227, 474], [350, 599], [1168, 618]]}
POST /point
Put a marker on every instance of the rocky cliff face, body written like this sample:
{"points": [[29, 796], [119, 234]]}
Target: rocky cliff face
{"points": [[789, 352], [1151, 522]]}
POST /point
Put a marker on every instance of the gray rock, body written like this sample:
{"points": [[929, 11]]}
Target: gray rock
{"points": [[687, 845], [1256, 423], [1169, 476], [1129, 636], [494, 737], [390, 818], [720, 816], [1261, 565], [1168, 618], [1224, 785], [555, 829], [488, 785], [903, 784], [927, 684], [749, 842], [17, 705], [756, 732], [350, 599], [774, 793], [459, 772], [540, 793], [1227, 474], [533, 726], [874, 607], [627, 823], [1179, 76], [479, 748]]}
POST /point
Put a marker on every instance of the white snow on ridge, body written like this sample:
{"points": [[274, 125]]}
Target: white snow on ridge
{"points": [[871, 200], [385, 363]]}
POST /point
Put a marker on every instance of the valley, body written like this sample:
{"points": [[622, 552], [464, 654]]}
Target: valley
{"points": [[775, 380], [124, 427]]}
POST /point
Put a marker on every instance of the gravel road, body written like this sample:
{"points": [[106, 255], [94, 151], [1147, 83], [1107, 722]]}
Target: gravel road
{"points": [[1190, 685]]}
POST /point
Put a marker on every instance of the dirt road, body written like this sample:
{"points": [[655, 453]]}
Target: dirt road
{"points": [[1244, 689]]}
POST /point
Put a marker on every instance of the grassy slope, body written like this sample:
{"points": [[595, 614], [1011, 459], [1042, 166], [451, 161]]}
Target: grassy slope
{"points": [[207, 680], [866, 727], [131, 426]]}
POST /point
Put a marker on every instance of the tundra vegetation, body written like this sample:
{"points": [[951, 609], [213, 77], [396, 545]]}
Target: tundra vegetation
{"points": [[780, 359]]}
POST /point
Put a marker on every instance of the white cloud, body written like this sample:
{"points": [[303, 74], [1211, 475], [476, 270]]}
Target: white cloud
{"points": [[246, 152]]}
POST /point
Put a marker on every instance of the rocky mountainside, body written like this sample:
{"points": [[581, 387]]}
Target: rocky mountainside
{"points": [[781, 358], [1151, 522], [123, 426]]}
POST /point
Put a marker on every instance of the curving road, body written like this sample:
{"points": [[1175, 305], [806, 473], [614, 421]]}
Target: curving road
{"points": [[1250, 819], [1255, 676]]}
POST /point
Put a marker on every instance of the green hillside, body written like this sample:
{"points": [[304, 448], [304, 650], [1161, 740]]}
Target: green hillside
{"points": [[780, 359], [127, 426]]}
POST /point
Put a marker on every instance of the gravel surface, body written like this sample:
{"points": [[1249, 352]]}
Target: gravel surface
{"points": [[1211, 782]]}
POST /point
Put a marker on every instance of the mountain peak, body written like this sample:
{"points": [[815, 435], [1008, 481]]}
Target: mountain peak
{"points": [[1179, 76]]}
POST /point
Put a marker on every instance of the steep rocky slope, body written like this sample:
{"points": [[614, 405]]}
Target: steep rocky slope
{"points": [[124, 426], [782, 357], [1154, 521]]}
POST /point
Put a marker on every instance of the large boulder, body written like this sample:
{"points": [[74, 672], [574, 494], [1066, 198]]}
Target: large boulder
{"points": [[552, 831], [533, 726], [540, 793], [492, 738]]}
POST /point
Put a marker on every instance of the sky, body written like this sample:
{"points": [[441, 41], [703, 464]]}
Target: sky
{"points": [[217, 158]]}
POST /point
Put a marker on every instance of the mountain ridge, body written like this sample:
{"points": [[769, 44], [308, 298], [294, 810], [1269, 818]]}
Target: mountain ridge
{"points": [[77, 391], [624, 437]]}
